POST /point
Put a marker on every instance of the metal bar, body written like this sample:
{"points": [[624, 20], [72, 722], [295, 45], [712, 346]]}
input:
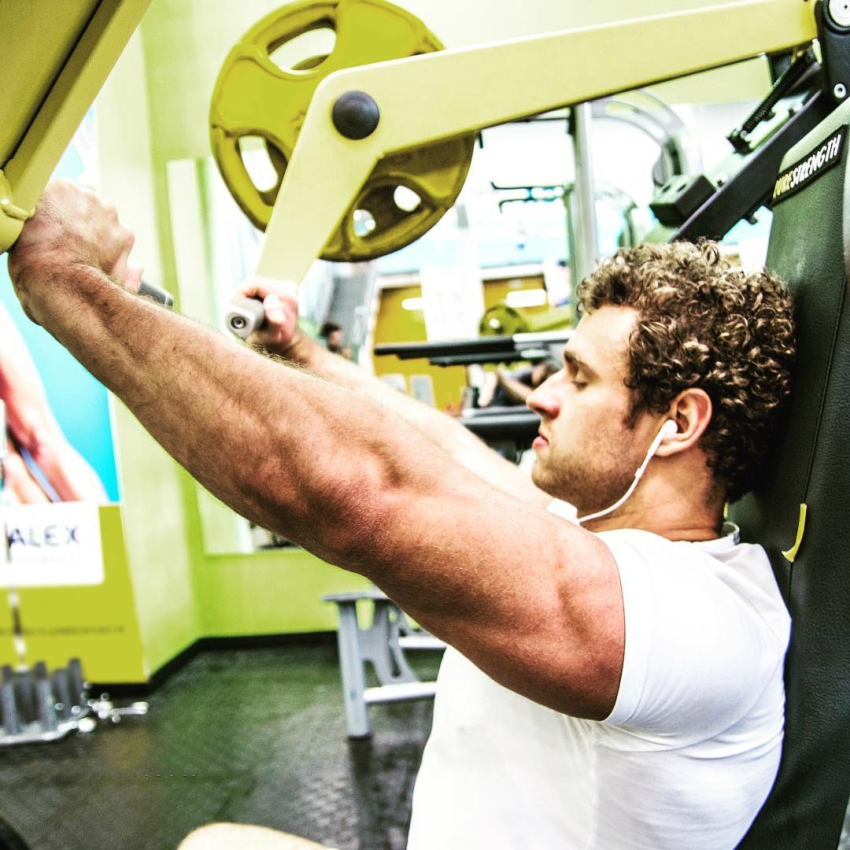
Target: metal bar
{"points": [[583, 197], [65, 106], [488, 347], [415, 350], [351, 671], [476, 359], [744, 192], [522, 425]]}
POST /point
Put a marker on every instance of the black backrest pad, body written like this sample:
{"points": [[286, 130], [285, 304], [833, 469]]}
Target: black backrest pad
{"points": [[811, 465]]}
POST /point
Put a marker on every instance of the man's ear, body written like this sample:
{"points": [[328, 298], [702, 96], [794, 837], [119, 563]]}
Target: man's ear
{"points": [[691, 410]]}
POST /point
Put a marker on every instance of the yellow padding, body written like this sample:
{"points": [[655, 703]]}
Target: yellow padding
{"points": [[791, 553]]}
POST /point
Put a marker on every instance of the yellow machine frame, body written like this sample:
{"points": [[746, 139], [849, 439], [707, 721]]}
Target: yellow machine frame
{"points": [[501, 82], [62, 107]]}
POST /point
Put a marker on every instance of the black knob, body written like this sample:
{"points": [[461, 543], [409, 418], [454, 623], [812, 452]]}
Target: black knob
{"points": [[356, 115]]}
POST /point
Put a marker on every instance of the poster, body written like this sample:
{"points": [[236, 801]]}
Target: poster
{"points": [[58, 423]]}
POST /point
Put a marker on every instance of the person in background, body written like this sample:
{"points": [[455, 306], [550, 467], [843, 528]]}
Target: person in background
{"points": [[334, 338], [508, 389]]}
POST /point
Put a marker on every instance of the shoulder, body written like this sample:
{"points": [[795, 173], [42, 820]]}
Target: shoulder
{"points": [[724, 568], [705, 626], [728, 580]]}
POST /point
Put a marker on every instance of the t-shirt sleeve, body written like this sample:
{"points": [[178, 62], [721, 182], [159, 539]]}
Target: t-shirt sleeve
{"points": [[697, 656]]}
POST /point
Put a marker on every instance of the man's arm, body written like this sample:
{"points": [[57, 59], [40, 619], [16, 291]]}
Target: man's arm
{"points": [[516, 390], [281, 336], [333, 470]]}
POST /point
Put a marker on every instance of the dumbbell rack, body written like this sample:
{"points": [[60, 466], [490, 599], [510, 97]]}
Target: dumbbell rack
{"points": [[37, 707]]}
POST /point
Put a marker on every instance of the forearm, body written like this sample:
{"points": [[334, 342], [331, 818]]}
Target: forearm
{"points": [[32, 425], [281, 447], [439, 428], [19, 487], [36, 433], [68, 473]]}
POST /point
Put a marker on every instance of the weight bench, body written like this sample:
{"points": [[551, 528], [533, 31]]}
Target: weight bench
{"points": [[383, 644], [800, 513]]}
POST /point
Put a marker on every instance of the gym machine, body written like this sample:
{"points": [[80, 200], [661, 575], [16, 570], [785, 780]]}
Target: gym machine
{"points": [[343, 139], [359, 119], [346, 137], [350, 133], [360, 136], [44, 102]]}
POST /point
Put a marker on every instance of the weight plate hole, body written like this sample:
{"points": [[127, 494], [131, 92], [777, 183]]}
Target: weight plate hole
{"points": [[258, 163], [305, 51], [406, 199], [364, 223]]}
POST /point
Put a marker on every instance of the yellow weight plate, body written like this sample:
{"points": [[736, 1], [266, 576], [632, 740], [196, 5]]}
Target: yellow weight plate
{"points": [[502, 320], [258, 101]]}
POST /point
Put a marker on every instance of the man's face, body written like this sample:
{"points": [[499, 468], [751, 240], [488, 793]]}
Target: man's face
{"points": [[586, 453]]}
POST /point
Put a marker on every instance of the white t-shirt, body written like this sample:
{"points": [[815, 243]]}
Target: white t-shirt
{"points": [[688, 754]]}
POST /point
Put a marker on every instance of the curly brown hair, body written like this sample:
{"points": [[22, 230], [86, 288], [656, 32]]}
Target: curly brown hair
{"points": [[704, 323]]}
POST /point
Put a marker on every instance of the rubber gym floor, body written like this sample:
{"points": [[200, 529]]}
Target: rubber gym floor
{"points": [[252, 735]]}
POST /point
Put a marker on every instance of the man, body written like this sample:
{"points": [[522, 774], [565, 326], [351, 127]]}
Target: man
{"points": [[612, 686]]}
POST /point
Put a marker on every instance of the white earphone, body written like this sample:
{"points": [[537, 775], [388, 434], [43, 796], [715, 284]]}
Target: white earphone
{"points": [[667, 429]]}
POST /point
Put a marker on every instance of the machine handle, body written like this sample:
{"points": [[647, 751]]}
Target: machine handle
{"points": [[245, 317], [148, 290]]}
